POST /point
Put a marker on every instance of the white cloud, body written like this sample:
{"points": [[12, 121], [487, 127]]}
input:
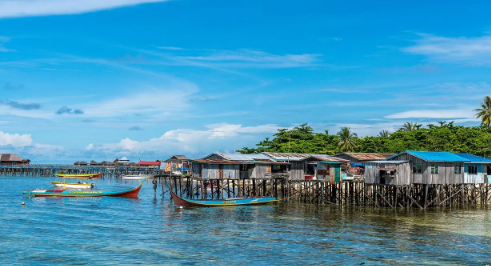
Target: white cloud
{"points": [[188, 140], [255, 58], [15, 140], [171, 48], [469, 50], [434, 113], [160, 103], [26, 8]]}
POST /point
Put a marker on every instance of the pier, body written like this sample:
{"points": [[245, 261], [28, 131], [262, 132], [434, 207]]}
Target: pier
{"points": [[345, 193], [53, 169]]}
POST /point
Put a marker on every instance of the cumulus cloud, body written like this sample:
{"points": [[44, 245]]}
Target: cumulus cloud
{"points": [[66, 110], [21, 106], [15, 140], [189, 140], [26, 8]]}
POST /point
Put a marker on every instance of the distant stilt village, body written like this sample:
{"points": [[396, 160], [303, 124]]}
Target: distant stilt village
{"points": [[409, 179]]}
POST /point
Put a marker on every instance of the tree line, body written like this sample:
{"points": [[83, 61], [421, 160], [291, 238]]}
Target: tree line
{"points": [[445, 136]]}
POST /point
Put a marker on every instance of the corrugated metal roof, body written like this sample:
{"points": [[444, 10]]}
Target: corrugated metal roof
{"points": [[244, 157], [474, 158], [233, 162], [149, 163], [331, 159], [436, 156], [368, 156], [277, 156], [394, 162]]}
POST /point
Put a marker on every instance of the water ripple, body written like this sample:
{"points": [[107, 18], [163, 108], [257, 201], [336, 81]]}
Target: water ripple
{"points": [[108, 231]]}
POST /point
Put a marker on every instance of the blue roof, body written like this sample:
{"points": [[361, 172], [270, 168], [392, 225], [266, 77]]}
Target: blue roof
{"points": [[436, 156], [474, 158]]}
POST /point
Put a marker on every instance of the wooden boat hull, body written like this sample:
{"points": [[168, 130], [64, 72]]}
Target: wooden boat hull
{"points": [[72, 185], [80, 175], [183, 202], [61, 192]]}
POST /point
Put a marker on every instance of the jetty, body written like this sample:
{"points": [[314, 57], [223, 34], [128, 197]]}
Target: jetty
{"points": [[411, 179], [53, 169]]}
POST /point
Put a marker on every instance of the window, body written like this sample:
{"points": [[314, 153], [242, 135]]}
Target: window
{"points": [[458, 169], [472, 170], [434, 168], [417, 168]]}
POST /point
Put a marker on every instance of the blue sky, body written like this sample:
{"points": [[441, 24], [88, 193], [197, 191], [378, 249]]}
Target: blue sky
{"points": [[146, 79]]}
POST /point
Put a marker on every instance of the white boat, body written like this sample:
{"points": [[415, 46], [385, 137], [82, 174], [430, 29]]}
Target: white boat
{"points": [[72, 185], [133, 177]]}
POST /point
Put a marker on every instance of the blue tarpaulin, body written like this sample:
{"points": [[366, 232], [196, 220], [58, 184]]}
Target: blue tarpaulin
{"points": [[356, 164]]}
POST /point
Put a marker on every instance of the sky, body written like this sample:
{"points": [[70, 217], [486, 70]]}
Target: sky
{"points": [[147, 79]]}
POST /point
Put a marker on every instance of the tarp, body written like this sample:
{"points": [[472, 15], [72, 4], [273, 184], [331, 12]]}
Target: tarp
{"points": [[356, 164]]}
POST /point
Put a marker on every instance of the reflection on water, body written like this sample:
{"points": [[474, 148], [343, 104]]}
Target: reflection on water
{"points": [[106, 231]]}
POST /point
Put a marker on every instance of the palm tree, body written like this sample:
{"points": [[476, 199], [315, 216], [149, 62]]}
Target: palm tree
{"points": [[347, 139], [384, 134], [410, 126], [485, 111]]}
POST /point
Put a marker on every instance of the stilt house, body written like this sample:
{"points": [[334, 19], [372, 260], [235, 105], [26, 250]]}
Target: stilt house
{"points": [[428, 167], [235, 166]]}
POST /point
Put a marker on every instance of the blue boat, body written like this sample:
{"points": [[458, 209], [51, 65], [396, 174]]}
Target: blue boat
{"points": [[183, 202]]}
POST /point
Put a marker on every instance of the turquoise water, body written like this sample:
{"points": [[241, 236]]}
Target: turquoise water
{"points": [[109, 231]]}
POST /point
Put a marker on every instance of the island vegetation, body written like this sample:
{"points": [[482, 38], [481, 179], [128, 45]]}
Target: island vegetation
{"points": [[444, 136]]}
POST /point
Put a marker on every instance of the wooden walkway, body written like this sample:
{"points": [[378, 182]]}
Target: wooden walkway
{"points": [[52, 169], [346, 193]]}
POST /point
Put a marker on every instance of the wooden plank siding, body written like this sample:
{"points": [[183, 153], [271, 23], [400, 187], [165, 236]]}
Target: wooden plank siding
{"points": [[474, 178], [401, 177], [446, 171], [297, 170]]}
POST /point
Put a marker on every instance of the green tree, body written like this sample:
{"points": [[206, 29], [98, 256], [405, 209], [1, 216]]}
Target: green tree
{"points": [[484, 113], [410, 126], [384, 134], [347, 139]]}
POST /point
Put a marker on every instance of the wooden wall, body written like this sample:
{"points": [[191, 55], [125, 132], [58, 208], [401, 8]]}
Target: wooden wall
{"points": [[446, 171], [297, 170], [401, 177], [474, 178]]}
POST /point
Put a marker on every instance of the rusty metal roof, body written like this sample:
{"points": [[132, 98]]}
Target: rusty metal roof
{"points": [[234, 162], [367, 156], [331, 159], [277, 156]]}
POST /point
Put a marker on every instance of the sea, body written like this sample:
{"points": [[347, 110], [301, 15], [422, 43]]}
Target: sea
{"points": [[150, 230]]}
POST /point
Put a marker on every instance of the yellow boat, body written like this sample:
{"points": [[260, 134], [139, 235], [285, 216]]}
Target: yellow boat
{"points": [[79, 175], [72, 185]]}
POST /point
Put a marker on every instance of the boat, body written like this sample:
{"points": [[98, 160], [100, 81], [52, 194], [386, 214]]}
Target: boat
{"points": [[64, 192], [83, 176], [133, 177], [183, 202], [72, 185]]}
